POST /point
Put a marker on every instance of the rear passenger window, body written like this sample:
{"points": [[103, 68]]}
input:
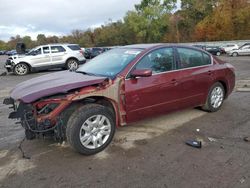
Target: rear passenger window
{"points": [[160, 60], [74, 47], [207, 59], [192, 58], [56, 49]]}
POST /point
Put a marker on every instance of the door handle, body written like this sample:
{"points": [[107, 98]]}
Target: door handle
{"points": [[174, 81], [209, 72]]}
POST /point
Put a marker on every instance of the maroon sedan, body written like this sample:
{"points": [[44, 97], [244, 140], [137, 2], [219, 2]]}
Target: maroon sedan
{"points": [[118, 87]]}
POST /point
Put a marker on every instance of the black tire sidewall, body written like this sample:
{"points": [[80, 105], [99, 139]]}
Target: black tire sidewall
{"points": [[209, 105], [78, 118]]}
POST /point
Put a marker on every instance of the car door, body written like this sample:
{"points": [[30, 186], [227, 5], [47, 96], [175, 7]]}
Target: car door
{"points": [[159, 93], [196, 78], [40, 57], [57, 55]]}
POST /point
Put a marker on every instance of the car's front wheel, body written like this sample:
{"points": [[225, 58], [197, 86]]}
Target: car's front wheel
{"points": [[21, 69], [218, 53], [72, 64], [215, 98], [90, 129]]}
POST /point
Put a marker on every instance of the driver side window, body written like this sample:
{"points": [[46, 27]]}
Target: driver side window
{"points": [[160, 60]]}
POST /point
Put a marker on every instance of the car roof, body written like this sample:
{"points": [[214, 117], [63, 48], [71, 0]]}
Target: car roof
{"points": [[155, 45], [143, 46]]}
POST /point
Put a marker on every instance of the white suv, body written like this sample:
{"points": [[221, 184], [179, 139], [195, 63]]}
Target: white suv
{"points": [[68, 56], [228, 47]]}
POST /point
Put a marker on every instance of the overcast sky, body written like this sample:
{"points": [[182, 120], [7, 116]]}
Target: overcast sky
{"points": [[57, 17]]}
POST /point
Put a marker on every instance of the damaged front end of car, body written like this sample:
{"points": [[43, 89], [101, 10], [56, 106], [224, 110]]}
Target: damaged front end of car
{"points": [[48, 116], [41, 118]]}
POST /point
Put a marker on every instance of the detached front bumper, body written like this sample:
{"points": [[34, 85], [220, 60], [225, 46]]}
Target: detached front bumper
{"points": [[11, 102], [9, 65], [35, 124]]}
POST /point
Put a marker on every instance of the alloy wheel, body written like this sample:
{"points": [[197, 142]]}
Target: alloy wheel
{"points": [[72, 65], [21, 69], [217, 97], [95, 131]]}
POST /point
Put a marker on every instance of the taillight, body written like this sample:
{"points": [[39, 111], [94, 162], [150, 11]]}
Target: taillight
{"points": [[81, 52]]}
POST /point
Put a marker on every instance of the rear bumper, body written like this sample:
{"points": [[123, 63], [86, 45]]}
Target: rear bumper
{"points": [[82, 62]]}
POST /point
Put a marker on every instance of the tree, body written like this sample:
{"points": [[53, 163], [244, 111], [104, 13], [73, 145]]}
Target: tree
{"points": [[150, 20], [228, 21], [28, 42], [41, 39]]}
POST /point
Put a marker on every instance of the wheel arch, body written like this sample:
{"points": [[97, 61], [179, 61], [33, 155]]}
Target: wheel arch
{"points": [[30, 67], [71, 57], [225, 86], [107, 102]]}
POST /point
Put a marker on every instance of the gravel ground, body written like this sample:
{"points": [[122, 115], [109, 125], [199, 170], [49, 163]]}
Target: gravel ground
{"points": [[150, 153]]}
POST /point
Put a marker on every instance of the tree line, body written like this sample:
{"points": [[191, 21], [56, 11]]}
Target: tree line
{"points": [[155, 21]]}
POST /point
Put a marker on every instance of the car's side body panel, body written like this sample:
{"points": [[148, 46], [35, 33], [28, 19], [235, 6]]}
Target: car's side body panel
{"points": [[151, 95]]}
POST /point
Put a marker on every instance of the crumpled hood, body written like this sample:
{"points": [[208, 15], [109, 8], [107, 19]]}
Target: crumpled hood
{"points": [[18, 56], [51, 84]]}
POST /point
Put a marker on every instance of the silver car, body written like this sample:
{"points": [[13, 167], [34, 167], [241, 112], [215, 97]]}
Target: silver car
{"points": [[67, 56], [244, 50]]}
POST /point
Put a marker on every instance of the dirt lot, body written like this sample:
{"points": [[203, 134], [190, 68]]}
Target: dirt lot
{"points": [[150, 153]]}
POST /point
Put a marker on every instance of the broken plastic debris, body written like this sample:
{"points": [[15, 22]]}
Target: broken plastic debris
{"points": [[194, 143], [246, 139], [211, 139]]}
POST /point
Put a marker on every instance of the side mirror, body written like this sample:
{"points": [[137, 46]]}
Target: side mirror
{"points": [[141, 73]]}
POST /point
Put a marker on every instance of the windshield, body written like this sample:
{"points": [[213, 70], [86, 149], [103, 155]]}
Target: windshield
{"points": [[110, 63], [31, 51]]}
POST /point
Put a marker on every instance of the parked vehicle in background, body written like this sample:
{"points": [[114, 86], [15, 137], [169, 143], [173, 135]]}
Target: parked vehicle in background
{"points": [[246, 44], [244, 50], [67, 56], [229, 47], [215, 50], [87, 53], [117, 88], [3, 52], [200, 46], [11, 52], [93, 52]]}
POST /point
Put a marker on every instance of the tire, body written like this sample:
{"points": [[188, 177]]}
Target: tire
{"points": [[235, 54], [21, 69], [82, 125], [72, 64], [215, 98], [218, 53]]}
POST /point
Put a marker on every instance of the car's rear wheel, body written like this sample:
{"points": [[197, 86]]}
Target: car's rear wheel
{"points": [[90, 129], [215, 98], [72, 64], [21, 69], [235, 54], [218, 53]]}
